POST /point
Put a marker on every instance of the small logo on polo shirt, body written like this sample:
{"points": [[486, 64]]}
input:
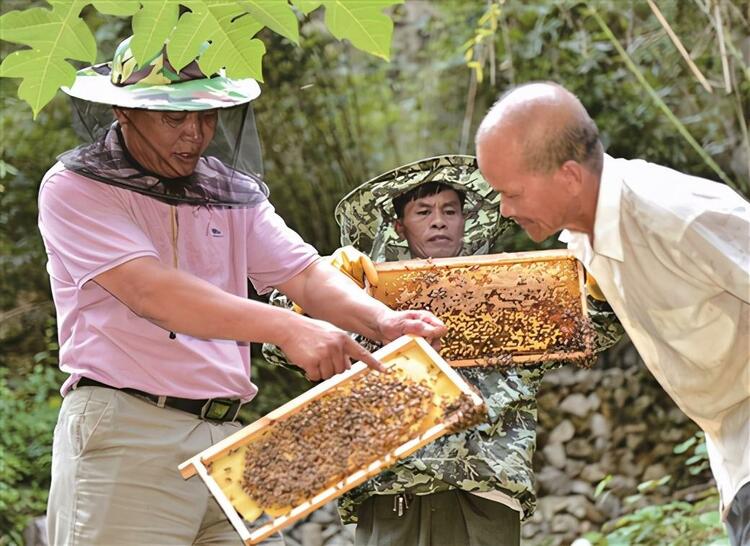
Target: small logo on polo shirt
{"points": [[215, 232]]}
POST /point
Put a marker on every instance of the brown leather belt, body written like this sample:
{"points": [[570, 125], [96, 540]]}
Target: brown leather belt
{"points": [[210, 409]]}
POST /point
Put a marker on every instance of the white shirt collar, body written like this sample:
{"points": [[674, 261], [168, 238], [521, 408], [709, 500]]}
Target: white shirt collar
{"points": [[607, 238]]}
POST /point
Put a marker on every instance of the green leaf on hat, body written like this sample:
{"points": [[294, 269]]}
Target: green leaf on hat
{"points": [[363, 23], [152, 24], [120, 8], [54, 36], [192, 31], [41, 80], [306, 6], [230, 31], [276, 15]]}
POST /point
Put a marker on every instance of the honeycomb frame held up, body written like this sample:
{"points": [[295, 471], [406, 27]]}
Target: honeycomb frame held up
{"points": [[501, 309], [450, 402]]}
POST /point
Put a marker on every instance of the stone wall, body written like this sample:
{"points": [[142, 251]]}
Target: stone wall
{"points": [[613, 419]]}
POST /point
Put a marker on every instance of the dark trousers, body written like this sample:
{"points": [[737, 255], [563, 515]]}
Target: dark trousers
{"points": [[738, 520], [450, 518]]}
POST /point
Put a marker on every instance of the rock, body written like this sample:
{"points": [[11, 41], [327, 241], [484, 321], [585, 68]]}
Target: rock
{"points": [[311, 534], [562, 433], [582, 487], [553, 480], [592, 473], [573, 468], [550, 505], [620, 396], [632, 441], [564, 523], [599, 426], [609, 505], [564, 376], [325, 514], [580, 448], [555, 455], [594, 402], [577, 505], [576, 404], [654, 472]]}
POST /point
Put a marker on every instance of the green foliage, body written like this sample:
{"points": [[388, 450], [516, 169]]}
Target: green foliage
{"points": [[29, 404], [55, 36], [677, 522], [362, 23], [52, 36]]}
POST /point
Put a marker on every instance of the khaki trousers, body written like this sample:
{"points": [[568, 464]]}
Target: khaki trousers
{"points": [[450, 518], [115, 477]]}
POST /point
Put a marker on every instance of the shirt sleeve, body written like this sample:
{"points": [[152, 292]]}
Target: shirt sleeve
{"points": [[717, 242], [275, 253], [86, 228]]}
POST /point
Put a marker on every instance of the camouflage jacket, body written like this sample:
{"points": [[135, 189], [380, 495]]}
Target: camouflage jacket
{"points": [[496, 455]]}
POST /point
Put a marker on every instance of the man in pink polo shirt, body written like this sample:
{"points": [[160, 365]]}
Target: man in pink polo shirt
{"points": [[150, 244]]}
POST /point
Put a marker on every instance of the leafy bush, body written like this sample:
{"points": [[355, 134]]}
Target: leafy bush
{"points": [[29, 406], [678, 522]]}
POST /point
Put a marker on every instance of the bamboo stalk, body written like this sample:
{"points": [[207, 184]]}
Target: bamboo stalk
{"points": [[722, 48], [708, 160], [678, 44]]}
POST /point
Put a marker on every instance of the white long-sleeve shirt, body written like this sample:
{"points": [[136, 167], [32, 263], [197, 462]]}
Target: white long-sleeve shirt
{"points": [[671, 253]]}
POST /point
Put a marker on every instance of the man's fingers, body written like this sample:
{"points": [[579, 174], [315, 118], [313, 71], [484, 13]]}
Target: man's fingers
{"points": [[327, 368], [357, 352], [419, 327], [313, 372]]}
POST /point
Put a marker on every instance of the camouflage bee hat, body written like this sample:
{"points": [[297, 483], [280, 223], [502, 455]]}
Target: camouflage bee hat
{"points": [[366, 215], [156, 85]]}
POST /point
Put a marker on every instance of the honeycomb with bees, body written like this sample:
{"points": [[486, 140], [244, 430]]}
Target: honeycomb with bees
{"points": [[335, 436], [500, 310]]}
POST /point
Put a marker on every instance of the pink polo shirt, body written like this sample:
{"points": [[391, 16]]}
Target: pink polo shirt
{"points": [[89, 227]]}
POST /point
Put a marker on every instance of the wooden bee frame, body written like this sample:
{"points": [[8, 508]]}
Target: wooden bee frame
{"points": [[409, 348], [502, 309]]}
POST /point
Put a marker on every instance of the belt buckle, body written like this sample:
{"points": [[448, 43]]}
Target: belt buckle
{"points": [[217, 409]]}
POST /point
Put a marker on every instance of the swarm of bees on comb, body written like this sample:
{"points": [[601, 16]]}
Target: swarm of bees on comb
{"points": [[345, 430], [499, 314]]}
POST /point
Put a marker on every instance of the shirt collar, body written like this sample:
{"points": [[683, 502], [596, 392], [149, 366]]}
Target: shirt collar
{"points": [[607, 238]]}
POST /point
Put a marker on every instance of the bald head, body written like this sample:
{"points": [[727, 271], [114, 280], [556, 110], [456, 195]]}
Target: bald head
{"points": [[546, 124]]}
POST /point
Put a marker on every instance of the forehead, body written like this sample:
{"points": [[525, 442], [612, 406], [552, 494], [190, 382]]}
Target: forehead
{"points": [[445, 197]]}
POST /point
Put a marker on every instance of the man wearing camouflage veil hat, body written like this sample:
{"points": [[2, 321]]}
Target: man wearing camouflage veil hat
{"points": [[473, 487], [152, 231]]}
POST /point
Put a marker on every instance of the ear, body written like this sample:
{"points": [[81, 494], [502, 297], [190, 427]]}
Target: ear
{"points": [[122, 119], [398, 225], [571, 175]]}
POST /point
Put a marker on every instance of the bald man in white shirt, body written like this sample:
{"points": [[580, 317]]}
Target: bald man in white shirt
{"points": [[671, 253]]}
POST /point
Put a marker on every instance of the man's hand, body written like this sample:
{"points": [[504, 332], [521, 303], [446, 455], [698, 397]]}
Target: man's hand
{"points": [[393, 324], [323, 350]]}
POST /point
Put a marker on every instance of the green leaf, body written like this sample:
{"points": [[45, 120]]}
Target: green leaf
{"points": [[192, 31], [54, 36], [601, 486], [306, 6], [276, 15], [363, 23], [152, 25], [58, 32], [231, 45], [121, 8], [684, 446]]}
